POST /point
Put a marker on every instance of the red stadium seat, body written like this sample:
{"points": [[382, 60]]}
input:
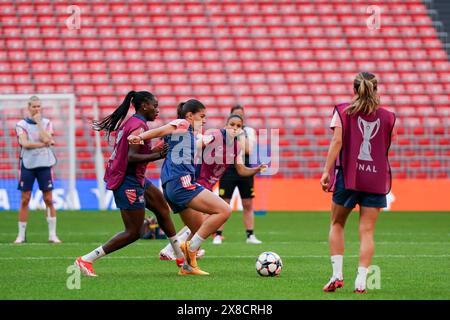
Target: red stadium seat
{"points": [[293, 164], [288, 70], [421, 175], [299, 131], [303, 142], [6, 166], [287, 154], [87, 165], [400, 175], [442, 175], [414, 164], [81, 143]]}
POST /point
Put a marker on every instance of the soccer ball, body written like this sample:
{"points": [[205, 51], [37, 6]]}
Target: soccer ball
{"points": [[268, 264]]}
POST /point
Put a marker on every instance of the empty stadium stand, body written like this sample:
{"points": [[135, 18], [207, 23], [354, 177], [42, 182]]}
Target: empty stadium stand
{"points": [[439, 11], [287, 62]]}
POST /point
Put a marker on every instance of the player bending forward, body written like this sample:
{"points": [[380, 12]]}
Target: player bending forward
{"points": [[125, 175], [214, 164], [181, 191]]}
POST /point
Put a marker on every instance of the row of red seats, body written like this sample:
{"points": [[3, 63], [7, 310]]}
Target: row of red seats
{"points": [[153, 53], [189, 31], [215, 8], [386, 68], [292, 125], [101, 94], [229, 7], [296, 18], [218, 83], [216, 20], [34, 40], [300, 82]]}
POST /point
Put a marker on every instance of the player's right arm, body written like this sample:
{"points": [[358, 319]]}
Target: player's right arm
{"points": [[23, 139], [45, 134], [179, 125]]}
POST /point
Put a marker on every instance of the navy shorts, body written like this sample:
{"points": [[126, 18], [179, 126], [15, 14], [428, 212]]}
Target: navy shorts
{"points": [[349, 198], [130, 194], [178, 192], [43, 176]]}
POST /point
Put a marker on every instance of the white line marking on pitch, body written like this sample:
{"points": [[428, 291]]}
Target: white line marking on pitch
{"points": [[228, 243], [237, 257]]}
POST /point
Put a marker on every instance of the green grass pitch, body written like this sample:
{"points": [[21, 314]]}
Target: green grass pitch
{"points": [[412, 251]]}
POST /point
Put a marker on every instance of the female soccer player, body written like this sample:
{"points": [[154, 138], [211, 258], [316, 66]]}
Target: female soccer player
{"points": [[214, 164], [183, 194], [125, 175], [357, 171], [36, 162], [232, 179]]}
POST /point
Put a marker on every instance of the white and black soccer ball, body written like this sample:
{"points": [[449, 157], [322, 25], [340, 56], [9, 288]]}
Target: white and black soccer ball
{"points": [[269, 264]]}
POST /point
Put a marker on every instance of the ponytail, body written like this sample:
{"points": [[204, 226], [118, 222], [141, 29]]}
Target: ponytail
{"points": [[366, 99], [112, 122], [180, 111], [191, 105]]}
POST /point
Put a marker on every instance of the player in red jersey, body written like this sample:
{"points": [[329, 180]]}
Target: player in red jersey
{"points": [[357, 171], [245, 185]]}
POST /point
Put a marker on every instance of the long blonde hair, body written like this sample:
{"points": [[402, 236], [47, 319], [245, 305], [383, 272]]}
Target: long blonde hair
{"points": [[366, 99]]}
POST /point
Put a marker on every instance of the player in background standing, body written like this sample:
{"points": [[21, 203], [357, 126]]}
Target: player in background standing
{"points": [[36, 161], [125, 175], [231, 179], [181, 191], [357, 171]]}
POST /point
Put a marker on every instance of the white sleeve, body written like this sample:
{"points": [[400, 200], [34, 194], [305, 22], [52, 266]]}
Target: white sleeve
{"points": [[251, 136], [20, 128], [336, 121], [180, 123], [49, 127]]}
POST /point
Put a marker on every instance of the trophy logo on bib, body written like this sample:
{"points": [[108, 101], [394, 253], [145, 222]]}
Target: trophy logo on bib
{"points": [[368, 131]]}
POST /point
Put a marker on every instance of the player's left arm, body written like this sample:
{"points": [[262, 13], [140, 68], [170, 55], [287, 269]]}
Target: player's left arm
{"points": [[45, 133], [135, 156], [244, 171], [161, 146], [159, 151]]}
